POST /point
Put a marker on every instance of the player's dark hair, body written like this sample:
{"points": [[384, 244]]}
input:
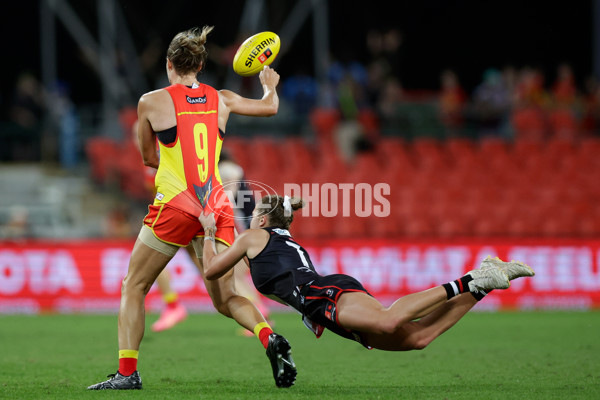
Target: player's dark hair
{"points": [[273, 208], [187, 51]]}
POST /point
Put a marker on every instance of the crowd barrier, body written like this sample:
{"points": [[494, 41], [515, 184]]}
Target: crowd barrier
{"points": [[84, 276]]}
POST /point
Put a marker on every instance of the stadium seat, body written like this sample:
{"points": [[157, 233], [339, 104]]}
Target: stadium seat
{"points": [[266, 153], [490, 145], [365, 168], [132, 181], [563, 124], [420, 227], [526, 147], [428, 153], [237, 148], [560, 224], [529, 123], [384, 227], [127, 117], [588, 150], [394, 155], [453, 226], [351, 226], [558, 149], [324, 121], [297, 156], [369, 121], [461, 152], [524, 225], [493, 220], [589, 227], [102, 153], [319, 227]]}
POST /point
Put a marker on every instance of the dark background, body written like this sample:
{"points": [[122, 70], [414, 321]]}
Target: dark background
{"points": [[465, 35]]}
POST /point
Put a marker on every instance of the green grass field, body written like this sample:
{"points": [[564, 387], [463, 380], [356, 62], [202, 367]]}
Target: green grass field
{"points": [[537, 355]]}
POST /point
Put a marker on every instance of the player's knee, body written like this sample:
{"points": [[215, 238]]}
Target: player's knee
{"points": [[390, 323], [222, 307], [420, 344], [420, 341], [386, 326], [129, 285]]}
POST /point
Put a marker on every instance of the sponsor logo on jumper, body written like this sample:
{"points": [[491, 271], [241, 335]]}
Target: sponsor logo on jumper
{"points": [[261, 52], [196, 100]]}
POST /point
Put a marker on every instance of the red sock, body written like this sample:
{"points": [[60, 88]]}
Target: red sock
{"points": [[171, 299], [262, 331], [173, 305], [127, 362]]}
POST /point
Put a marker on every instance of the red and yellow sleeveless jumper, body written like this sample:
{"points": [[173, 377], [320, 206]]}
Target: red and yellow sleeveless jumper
{"points": [[187, 181]]}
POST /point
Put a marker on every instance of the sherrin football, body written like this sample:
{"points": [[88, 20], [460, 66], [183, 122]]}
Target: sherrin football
{"points": [[256, 52]]}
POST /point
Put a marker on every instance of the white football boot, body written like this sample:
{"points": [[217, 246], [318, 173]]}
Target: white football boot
{"points": [[488, 279], [513, 269]]}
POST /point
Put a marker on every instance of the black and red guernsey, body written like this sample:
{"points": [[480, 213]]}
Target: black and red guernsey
{"points": [[281, 267]]}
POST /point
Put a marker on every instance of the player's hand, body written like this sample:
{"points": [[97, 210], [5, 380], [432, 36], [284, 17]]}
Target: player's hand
{"points": [[207, 221], [269, 77]]}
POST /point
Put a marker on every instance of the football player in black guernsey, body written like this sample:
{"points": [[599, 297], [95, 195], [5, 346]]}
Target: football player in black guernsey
{"points": [[282, 270]]}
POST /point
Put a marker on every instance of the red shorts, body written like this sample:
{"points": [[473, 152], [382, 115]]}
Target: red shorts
{"points": [[178, 227]]}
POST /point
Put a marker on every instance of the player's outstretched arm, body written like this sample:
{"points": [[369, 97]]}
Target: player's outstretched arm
{"points": [[267, 106]]}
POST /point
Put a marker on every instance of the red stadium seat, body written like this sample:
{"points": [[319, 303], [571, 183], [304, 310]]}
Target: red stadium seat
{"points": [[324, 121], [298, 156], [558, 150], [563, 123], [395, 155], [132, 180], [384, 227], [319, 227], [420, 227], [127, 117], [453, 226], [560, 224], [351, 226], [237, 148], [525, 147], [369, 122], [588, 150], [461, 151], [365, 168], [529, 123], [589, 227], [102, 153], [428, 153]]}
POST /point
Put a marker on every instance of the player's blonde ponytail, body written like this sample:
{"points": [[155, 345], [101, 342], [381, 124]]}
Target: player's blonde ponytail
{"points": [[187, 50]]}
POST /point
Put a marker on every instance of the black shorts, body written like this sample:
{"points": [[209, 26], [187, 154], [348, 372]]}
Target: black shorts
{"points": [[320, 302]]}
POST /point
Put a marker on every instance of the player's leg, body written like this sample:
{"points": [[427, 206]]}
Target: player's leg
{"points": [[148, 259], [416, 335], [229, 303], [245, 288], [163, 281], [226, 299], [393, 328], [145, 265], [361, 312], [174, 312]]}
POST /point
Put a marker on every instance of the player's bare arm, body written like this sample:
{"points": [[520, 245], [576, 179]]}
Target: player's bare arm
{"points": [[268, 105], [155, 113], [249, 243]]}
